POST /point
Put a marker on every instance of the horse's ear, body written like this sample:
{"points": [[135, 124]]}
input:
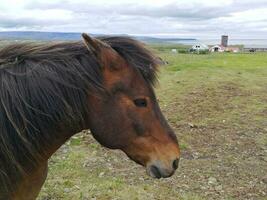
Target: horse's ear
{"points": [[91, 44], [94, 44]]}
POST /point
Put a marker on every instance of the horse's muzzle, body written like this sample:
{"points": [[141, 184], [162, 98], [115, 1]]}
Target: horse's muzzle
{"points": [[157, 170]]}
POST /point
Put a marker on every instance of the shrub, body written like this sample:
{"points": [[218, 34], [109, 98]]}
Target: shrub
{"points": [[182, 51], [204, 51]]}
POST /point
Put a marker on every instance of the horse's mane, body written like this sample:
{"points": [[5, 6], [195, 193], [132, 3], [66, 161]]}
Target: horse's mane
{"points": [[43, 85]]}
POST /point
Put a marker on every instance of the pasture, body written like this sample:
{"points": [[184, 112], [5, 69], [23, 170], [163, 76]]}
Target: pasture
{"points": [[217, 105]]}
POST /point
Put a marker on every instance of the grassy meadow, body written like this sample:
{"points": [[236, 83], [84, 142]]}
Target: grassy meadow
{"points": [[217, 105]]}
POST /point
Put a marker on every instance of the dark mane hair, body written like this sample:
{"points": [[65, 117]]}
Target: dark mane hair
{"points": [[43, 85]]}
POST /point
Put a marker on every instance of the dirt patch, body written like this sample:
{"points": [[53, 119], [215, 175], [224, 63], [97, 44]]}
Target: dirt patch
{"points": [[221, 158]]}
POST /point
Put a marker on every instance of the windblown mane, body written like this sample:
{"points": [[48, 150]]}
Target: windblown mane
{"points": [[43, 85]]}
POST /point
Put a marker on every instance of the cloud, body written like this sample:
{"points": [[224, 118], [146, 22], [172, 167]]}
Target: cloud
{"points": [[186, 18], [198, 10]]}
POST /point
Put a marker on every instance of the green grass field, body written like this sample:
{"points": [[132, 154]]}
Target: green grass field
{"points": [[217, 104]]}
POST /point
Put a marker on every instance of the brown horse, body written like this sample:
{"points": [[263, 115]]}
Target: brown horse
{"points": [[49, 92]]}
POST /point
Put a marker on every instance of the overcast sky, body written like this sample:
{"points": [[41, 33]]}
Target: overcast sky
{"points": [[182, 18]]}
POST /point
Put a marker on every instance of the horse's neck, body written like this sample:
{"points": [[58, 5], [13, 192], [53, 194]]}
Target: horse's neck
{"points": [[61, 139]]}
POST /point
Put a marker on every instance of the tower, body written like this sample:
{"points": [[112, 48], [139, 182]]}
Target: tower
{"points": [[224, 41]]}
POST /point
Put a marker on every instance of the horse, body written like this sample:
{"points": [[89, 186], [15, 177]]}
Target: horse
{"points": [[51, 91]]}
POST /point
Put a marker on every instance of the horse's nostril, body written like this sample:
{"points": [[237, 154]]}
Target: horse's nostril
{"points": [[155, 171], [175, 164]]}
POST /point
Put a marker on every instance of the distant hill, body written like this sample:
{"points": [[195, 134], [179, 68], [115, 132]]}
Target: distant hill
{"points": [[33, 35]]}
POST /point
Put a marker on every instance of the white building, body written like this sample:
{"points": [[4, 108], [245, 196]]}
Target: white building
{"points": [[199, 47], [220, 48], [217, 48]]}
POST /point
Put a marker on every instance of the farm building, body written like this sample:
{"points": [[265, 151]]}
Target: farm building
{"points": [[232, 49], [217, 48], [220, 48], [199, 47]]}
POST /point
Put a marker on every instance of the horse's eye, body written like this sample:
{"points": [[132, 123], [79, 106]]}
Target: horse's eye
{"points": [[140, 102]]}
